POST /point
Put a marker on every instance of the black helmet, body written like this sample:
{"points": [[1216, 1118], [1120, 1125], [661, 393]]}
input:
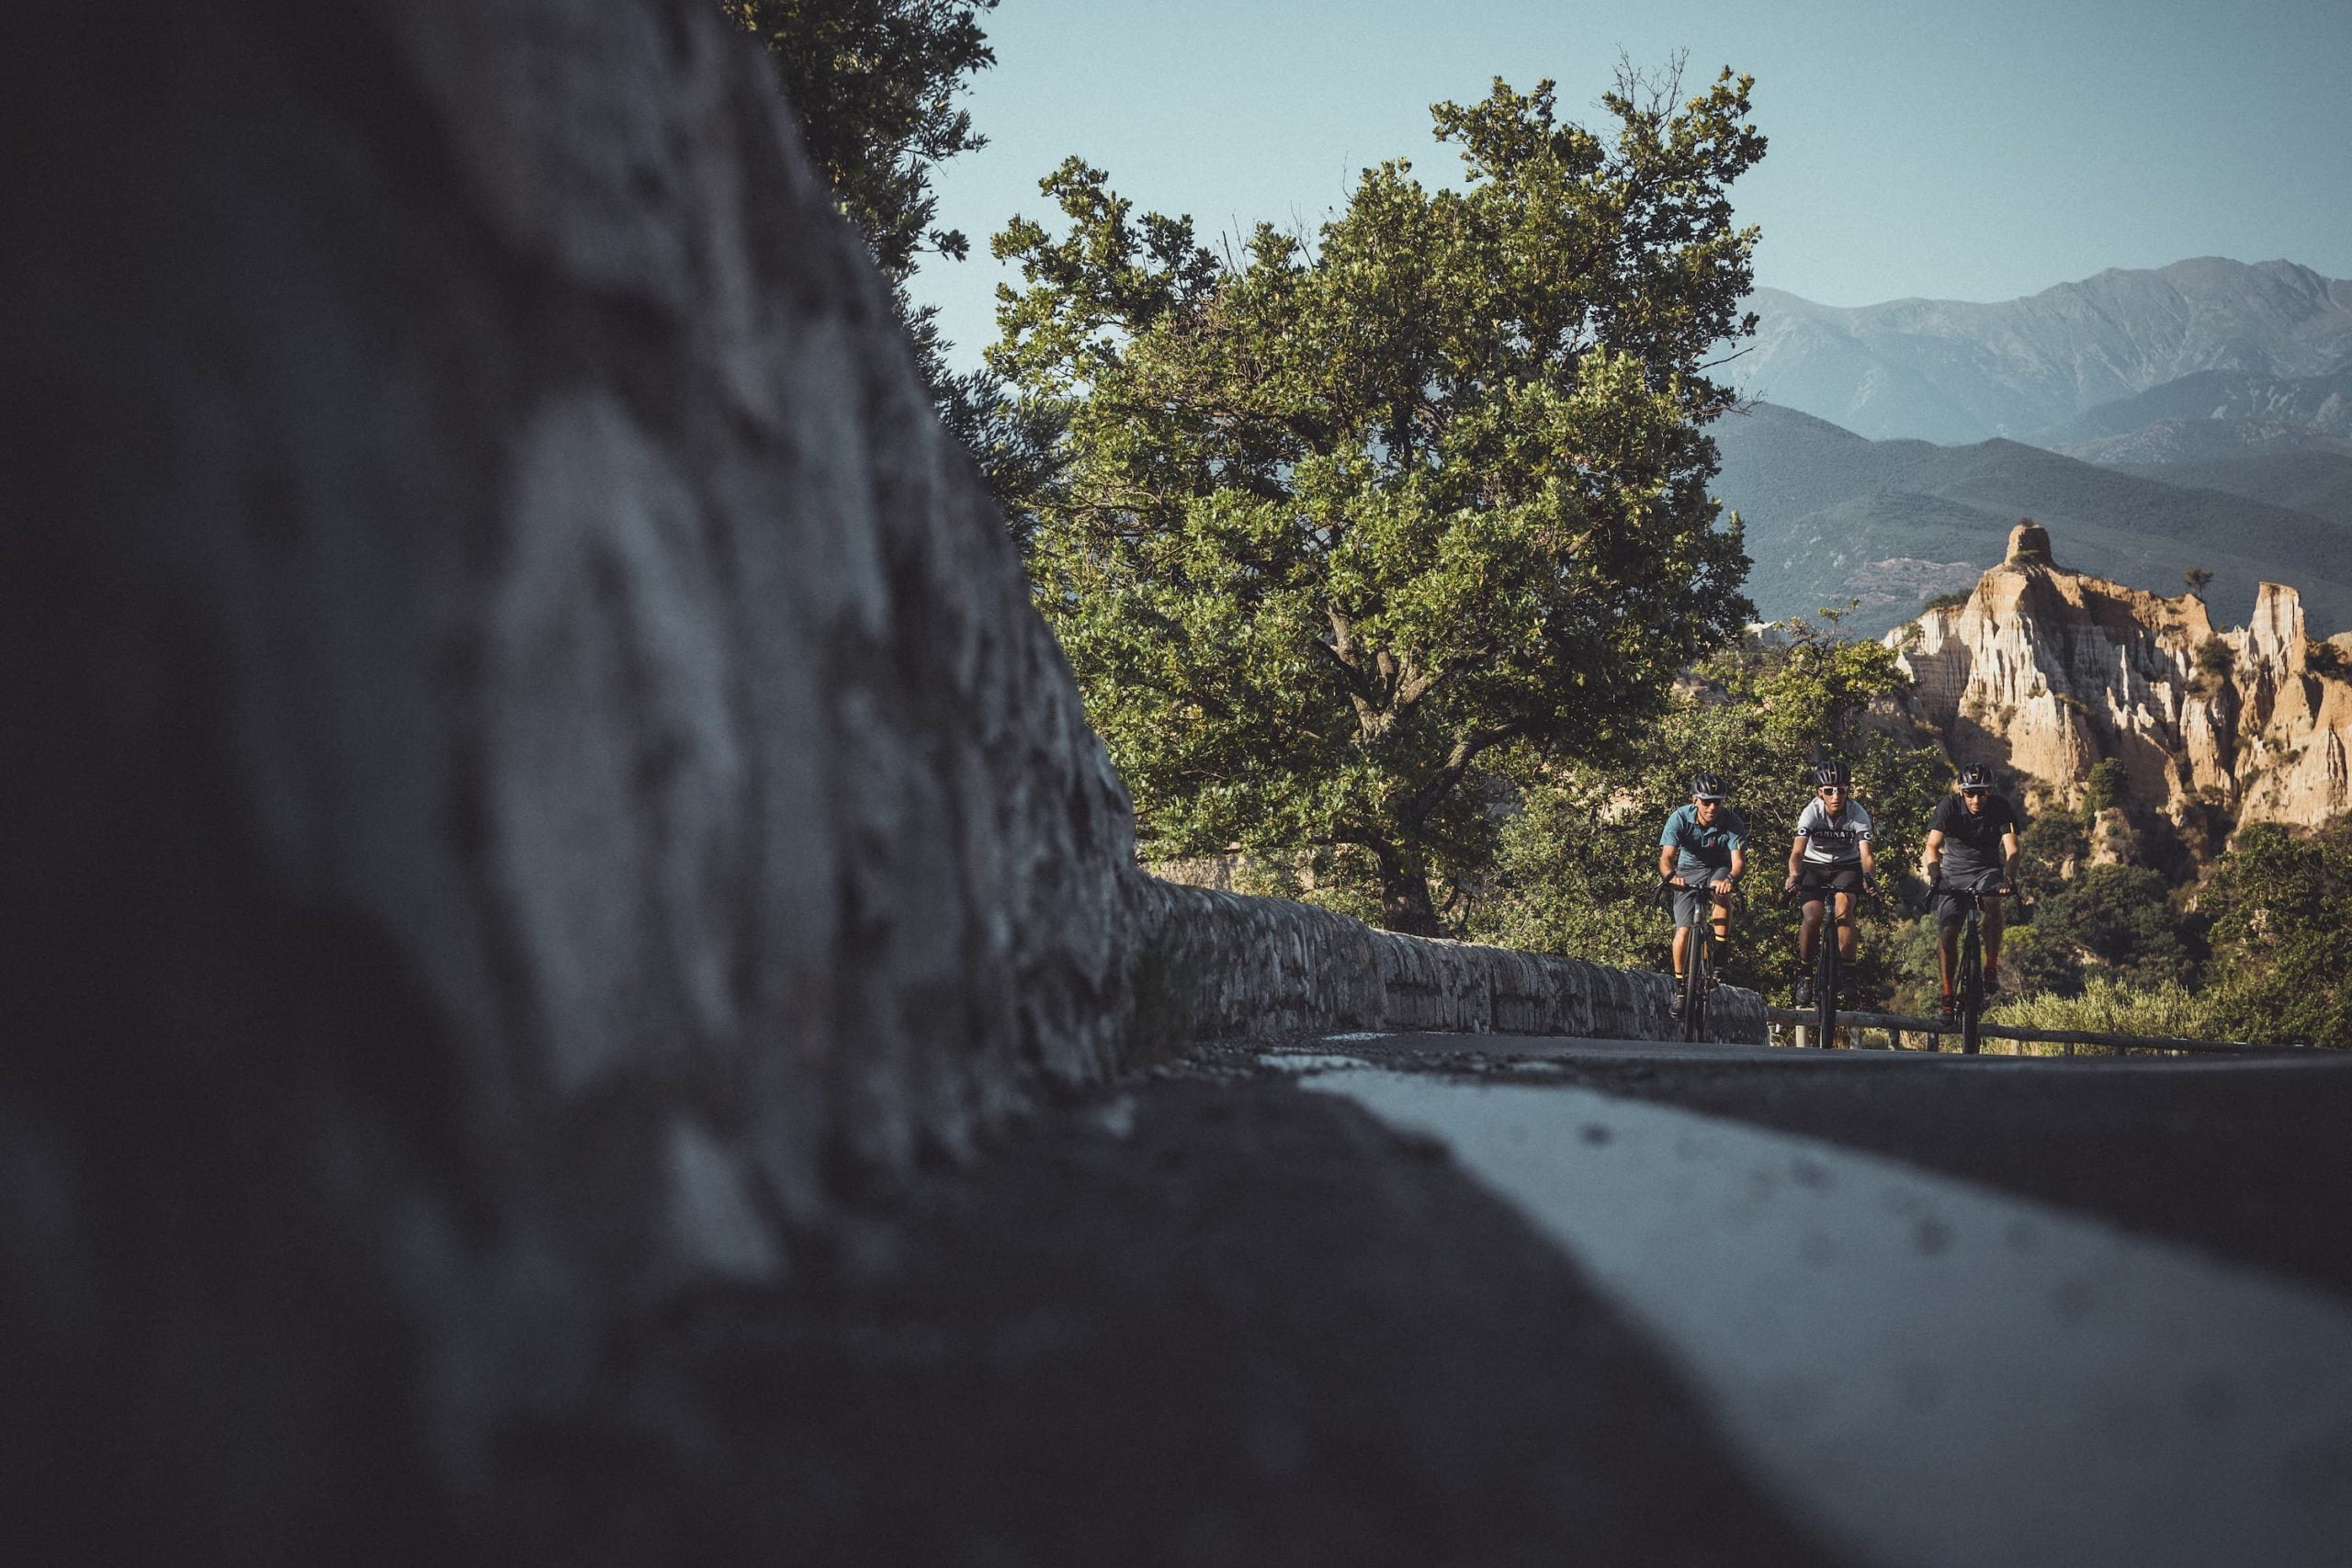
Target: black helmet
{"points": [[1976, 775], [1706, 787], [1827, 774]]}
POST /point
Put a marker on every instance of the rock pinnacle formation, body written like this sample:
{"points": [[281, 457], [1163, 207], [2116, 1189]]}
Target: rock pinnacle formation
{"points": [[2045, 672]]}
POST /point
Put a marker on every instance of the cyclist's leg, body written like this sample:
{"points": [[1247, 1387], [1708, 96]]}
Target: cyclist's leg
{"points": [[1809, 926], [1846, 902], [1992, 929], [1681, 948], [1722, 912]]}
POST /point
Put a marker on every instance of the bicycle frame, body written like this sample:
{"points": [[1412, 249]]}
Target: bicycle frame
{"points": [[1826, 960], [1968, 990], [1703, 958]]}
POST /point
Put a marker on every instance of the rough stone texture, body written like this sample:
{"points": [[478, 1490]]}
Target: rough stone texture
{"points": [[1237, 965], [2047, 671], [532, 767], [532, 774]]}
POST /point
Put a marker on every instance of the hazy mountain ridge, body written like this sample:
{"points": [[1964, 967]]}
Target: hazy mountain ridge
{"points": [[2319, 482], [1957, 372], [1832, 515]]}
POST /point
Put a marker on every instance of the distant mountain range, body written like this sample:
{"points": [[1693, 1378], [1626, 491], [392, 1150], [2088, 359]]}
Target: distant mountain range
{"points": [[2215, 415], [1832, 515], [2200, 415], [1954, 372]]}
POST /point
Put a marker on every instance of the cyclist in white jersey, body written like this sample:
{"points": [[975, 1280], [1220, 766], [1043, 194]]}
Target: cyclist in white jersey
{"points": [[1830, 861]]}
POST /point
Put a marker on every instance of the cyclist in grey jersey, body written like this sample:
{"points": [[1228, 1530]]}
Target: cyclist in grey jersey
{"points": [[1831, 861]]}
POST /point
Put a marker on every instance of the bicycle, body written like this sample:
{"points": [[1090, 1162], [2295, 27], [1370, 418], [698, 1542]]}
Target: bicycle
{"points": [[1968, 990], [1826, 960], [1701, 965]]}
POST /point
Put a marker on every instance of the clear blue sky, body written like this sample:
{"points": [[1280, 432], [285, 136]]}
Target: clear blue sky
{"points": [[1954, 150]]}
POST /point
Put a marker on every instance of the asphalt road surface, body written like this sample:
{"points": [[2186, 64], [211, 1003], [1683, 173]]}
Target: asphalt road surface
{"points": [[1446, 1300]]}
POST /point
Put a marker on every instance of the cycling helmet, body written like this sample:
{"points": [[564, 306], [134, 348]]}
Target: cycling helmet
{"points": [[1706, 787], [1827, 774], [1976, 775]]}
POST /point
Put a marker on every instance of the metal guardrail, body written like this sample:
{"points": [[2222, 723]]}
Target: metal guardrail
{"points": [[1896, 1025]]}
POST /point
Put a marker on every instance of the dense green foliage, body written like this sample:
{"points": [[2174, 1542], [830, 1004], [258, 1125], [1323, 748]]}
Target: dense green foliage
{"points": [[874, 83], [1345, 531], [2281, 905], [1578, 868], [2120, 918], [2108, 784], [2109, 1006]]}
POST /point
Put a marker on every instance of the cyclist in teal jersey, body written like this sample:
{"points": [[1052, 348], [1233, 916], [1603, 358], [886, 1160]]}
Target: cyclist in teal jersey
{"points": [[1702, 851]]}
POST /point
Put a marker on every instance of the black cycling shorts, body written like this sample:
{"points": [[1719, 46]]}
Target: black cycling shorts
{"points": [[1814, 881], [1949, 909]]}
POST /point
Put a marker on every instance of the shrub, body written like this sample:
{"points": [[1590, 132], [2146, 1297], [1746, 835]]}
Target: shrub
{"points": [[2107, 786], [1952, 601], [2054, 841], [2280, 903], [2109, 1006], [2214, 659], [2122, 917]]}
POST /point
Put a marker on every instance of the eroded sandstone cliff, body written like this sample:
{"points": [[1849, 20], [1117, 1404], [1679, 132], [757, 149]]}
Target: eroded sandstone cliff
{"points": [[2047, 671]]}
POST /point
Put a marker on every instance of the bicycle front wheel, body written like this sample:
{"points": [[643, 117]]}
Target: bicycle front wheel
{"points": [[1825, 983], [1694, 986], [1972, 989]]}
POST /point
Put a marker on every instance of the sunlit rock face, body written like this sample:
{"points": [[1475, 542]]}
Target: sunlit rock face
{"points": [[2046, 671]]}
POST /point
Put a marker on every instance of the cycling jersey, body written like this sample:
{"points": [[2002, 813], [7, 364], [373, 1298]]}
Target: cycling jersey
{"points": [[1833, 840], [1973, 838], [1704, 851]]}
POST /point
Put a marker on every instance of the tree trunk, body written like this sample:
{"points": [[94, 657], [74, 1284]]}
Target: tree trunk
{"points": [[1405, 902]]}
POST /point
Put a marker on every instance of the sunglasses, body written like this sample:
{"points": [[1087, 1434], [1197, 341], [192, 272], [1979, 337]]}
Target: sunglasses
{"points": [[1975, 794], [1828, 790]]}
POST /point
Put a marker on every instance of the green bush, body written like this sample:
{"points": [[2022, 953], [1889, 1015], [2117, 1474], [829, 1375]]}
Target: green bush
{"points": [[2052, 838], [2120, 917], [2109, 1006], [2108, 785], [2214, 659], [2280, 904], [2040, 961]]}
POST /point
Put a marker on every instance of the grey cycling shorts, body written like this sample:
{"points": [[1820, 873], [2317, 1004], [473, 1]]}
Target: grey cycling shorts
{"points": [[1691, 906]]}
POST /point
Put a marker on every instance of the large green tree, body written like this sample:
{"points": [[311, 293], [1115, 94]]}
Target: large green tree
{"points": [[1341, 524]]}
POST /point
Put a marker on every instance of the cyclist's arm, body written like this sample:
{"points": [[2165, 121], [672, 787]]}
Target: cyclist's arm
{"points": [[1738, 863], [1869, 858], [1932, 855], [1796, 859], [2012, 856], [1666, 861]]}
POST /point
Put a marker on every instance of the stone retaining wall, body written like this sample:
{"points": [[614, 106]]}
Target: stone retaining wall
{"points": [[533, 777], [1258, 966]]}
